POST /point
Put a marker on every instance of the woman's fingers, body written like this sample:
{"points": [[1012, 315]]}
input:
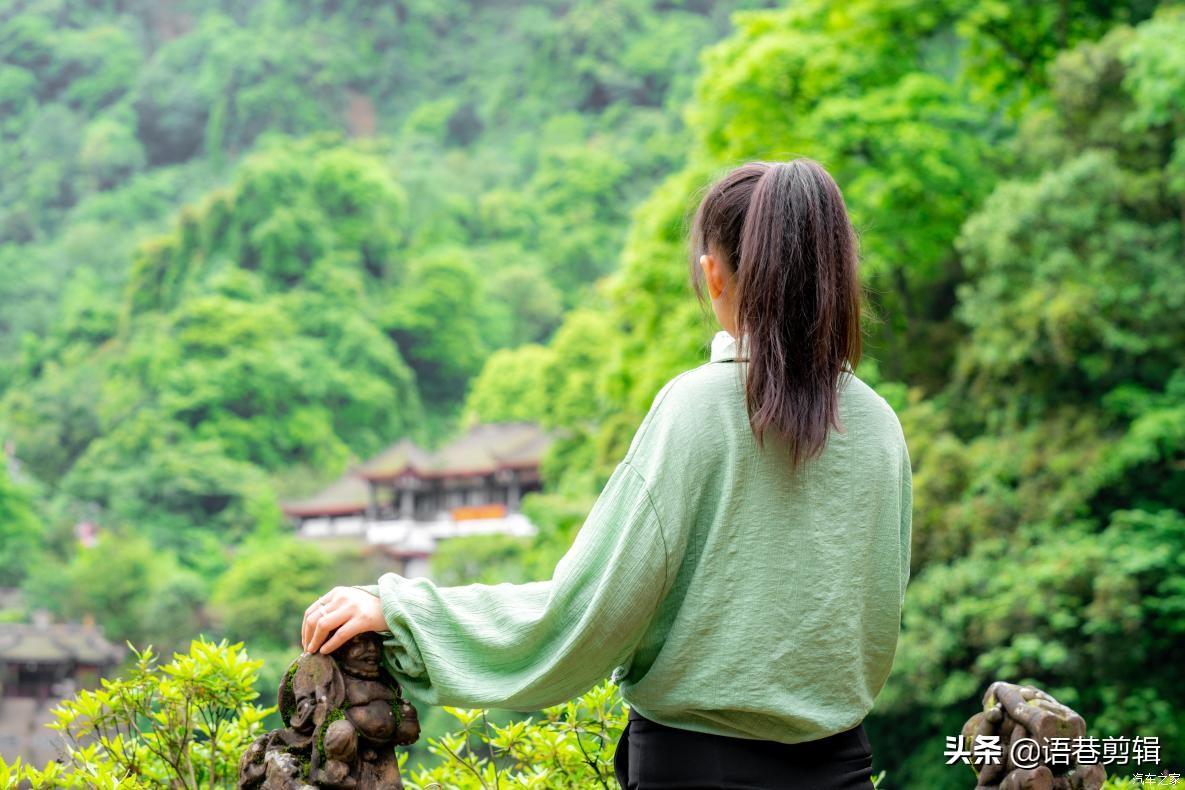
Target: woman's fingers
{"points": [[316, 609], [347, 610], [350, 628], [324, 624], [310, 616], [310, 619], [306, 628]]}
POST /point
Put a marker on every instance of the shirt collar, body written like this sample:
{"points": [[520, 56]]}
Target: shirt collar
{"points": [[724, 347]]}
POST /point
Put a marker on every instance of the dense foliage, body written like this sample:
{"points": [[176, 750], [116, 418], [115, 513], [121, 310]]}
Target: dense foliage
{"points": [[179, 725], [570, 746], [1021, 244], [245, 244]]}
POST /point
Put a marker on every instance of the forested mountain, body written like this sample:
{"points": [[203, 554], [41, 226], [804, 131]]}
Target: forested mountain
{"points": [[251, 239], [243, 243]]}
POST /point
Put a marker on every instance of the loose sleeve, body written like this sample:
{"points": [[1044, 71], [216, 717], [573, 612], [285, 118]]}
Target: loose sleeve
{"points": [[529, 646], [906, 517]]}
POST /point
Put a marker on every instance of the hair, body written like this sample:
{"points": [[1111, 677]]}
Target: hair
{"points": [[782, 229]]}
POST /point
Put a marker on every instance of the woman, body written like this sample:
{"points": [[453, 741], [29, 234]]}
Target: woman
{"points": [[743, 571]]}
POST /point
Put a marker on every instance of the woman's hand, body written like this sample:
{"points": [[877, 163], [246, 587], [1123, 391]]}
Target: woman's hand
{"points": [[348, 610]]}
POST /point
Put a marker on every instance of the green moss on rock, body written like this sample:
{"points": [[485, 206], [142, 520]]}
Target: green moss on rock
{"points": [[288, 710], [332, 716]]}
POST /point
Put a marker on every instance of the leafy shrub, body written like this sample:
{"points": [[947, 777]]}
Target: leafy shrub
{"points": [[570, 746], [181, 725]]}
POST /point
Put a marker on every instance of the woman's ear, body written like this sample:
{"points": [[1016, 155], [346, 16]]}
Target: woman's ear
{"points": [[713, 275]]}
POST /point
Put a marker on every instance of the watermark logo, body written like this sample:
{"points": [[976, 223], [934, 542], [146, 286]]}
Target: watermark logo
{"points": [[1029, 753]]}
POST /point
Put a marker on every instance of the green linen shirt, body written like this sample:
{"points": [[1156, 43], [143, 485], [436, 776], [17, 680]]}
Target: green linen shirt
{"points": [[721, 592]]}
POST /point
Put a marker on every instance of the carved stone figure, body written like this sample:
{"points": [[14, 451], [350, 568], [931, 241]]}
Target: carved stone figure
{"points": [[1014, 712], [343, 715]]}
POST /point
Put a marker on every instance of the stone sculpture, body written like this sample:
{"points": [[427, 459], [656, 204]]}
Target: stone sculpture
{"points": [[343, 714], [1012, 712]]}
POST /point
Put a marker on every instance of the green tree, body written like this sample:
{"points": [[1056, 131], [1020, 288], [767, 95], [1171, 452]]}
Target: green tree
{"points": [[512, 385], [263, 595], [1053, 311], [20, 531], [132, 589], [533, 305], [434, 319], [1049, 469], [1059, 606]]}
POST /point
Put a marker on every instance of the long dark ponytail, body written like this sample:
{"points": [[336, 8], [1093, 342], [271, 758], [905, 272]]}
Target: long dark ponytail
{"points": [[783, 230]]}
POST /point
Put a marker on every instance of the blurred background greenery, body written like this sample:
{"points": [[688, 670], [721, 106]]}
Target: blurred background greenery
{"points": [[245, 244]]}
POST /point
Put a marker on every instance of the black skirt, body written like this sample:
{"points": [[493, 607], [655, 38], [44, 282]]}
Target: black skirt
{"points": [[651, 756]]}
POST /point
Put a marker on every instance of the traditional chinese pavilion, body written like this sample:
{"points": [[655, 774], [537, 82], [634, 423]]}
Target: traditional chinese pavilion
{"points": [[407, 497], [40, 664], [42, 659]]}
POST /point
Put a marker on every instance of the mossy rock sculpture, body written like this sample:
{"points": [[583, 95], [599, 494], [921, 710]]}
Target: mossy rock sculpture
{"points": [[343, 715], [1012, 712]]}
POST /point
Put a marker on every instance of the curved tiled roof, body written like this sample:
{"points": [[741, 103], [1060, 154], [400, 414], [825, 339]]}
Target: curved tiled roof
{"points": [[481, 450], [402, 455], [348, 495], [56, 642]]}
